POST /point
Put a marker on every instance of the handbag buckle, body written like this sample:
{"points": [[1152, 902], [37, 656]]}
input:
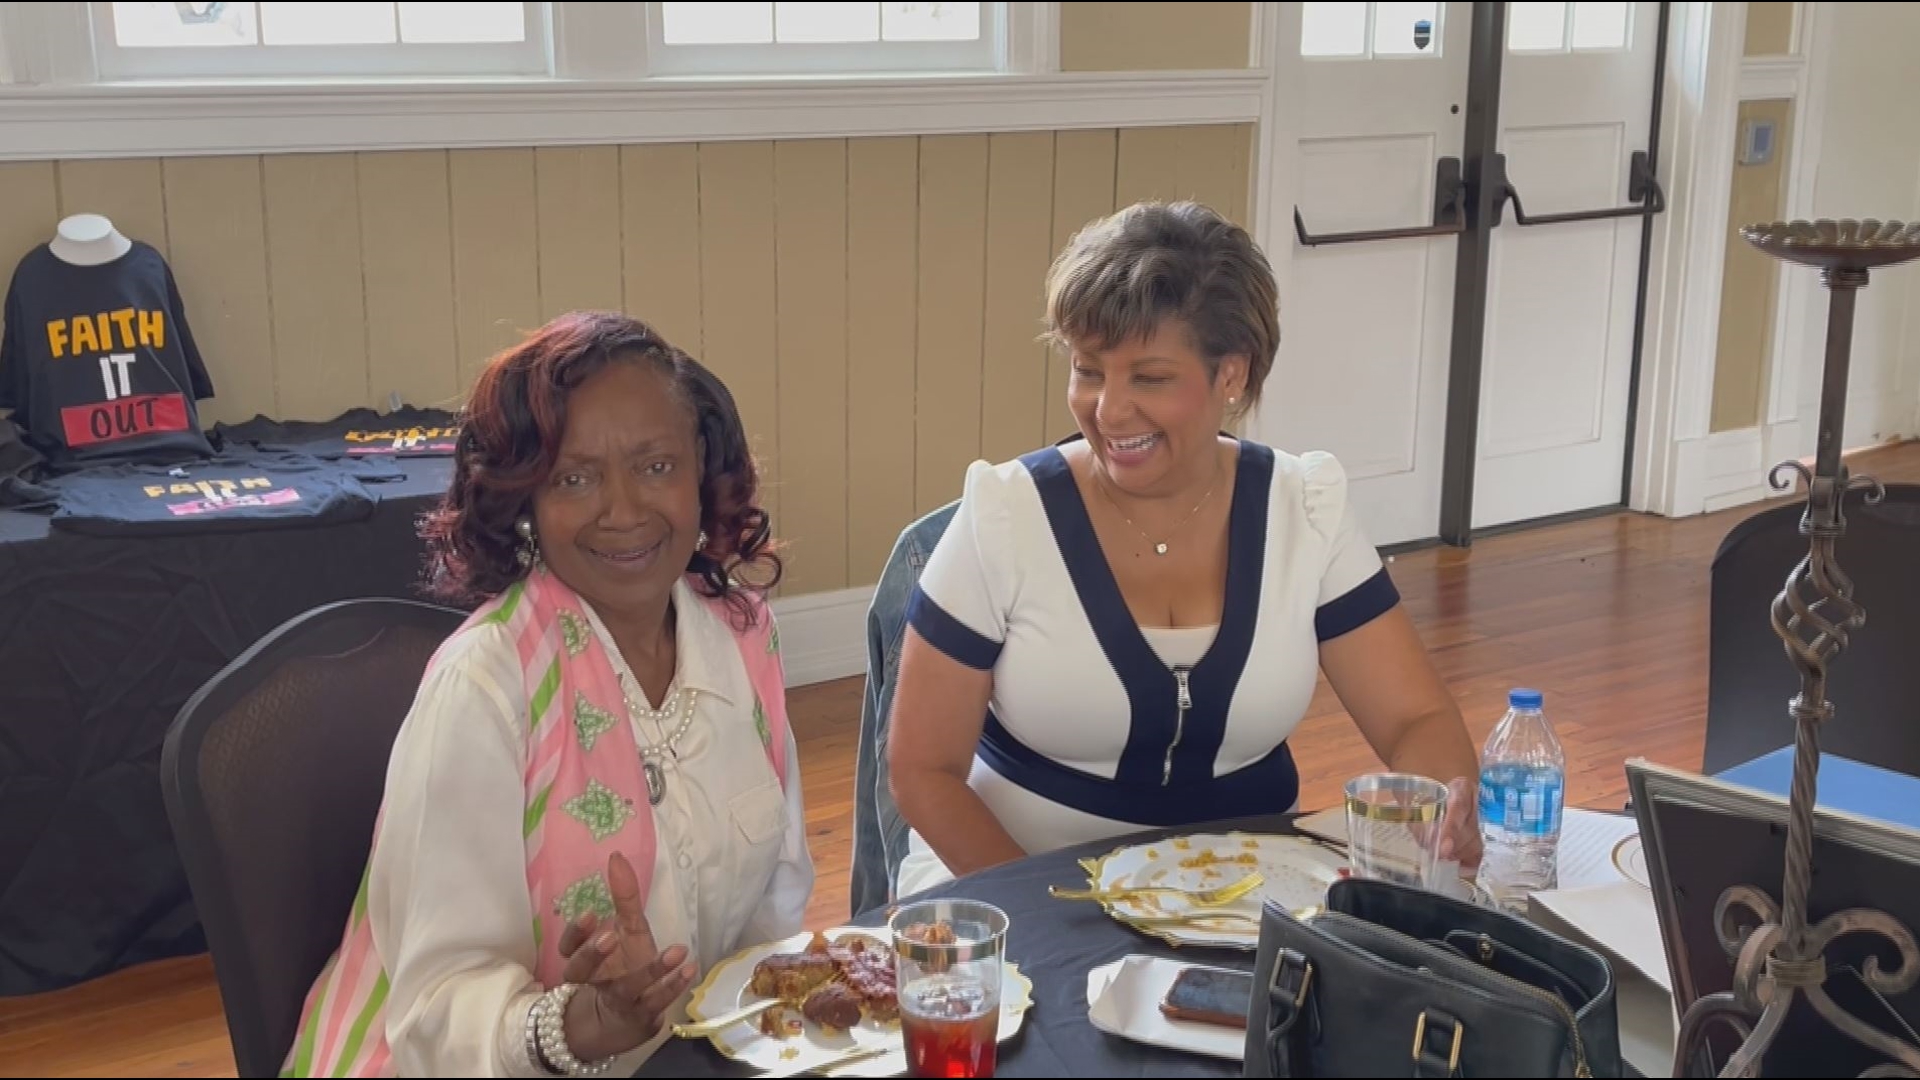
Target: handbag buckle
{"points": [[1420, 1042], [1289, 969]]}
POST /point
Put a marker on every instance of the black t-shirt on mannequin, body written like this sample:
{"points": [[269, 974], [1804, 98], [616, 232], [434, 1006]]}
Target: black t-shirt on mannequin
{"points": [[98, 363]]}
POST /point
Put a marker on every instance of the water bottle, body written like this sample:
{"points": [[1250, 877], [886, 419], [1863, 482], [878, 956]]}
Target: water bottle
{"points": [[1523, 781]]}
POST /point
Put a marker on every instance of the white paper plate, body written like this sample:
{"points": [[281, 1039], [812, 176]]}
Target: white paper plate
{"points": [[1296, 872], [725, 989], [1123, 998]]}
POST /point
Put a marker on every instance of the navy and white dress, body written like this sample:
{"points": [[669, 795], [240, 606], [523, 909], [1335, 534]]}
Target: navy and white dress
{"points": [[1098, 726]]}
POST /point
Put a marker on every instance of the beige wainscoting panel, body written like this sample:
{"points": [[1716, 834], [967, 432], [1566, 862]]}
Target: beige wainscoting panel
{"points": [[1083, 192], [496, 253], [1013, 387], [873, 303], [1770, 28], [29, 208], [578, 221], [406, 235], [660, 239], [316, 270], [737, 292], [883, 252], [810, 241], [126, 190], [216, 213], [953, 252], [1750, 281]]}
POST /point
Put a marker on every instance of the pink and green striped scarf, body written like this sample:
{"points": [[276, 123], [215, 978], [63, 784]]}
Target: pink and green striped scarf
{"points": [[585, 794]]}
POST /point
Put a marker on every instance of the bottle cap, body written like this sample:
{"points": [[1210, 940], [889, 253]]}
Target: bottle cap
{"points": [[1523, 699]]}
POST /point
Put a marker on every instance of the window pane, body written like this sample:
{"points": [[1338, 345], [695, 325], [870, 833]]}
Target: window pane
{"points": [[467, 22], [1405, 29], [1599, 25], [1534, 26], [826, 22], [717, 24], [930, 22], [326, 24], [1333, 29], [165, 25]]}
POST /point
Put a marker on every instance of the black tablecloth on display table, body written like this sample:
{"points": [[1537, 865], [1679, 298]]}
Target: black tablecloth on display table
{"points": [[102, 640], [1056, 943]]}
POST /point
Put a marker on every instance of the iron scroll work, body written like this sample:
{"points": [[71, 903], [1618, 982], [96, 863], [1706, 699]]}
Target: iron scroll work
{"points": [[1778, 957]]}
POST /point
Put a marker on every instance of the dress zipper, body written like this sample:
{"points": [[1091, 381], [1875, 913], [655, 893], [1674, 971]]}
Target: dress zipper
{"points": [[1185, 702]]}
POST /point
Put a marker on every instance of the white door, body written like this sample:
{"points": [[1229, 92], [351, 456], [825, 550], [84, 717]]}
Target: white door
{"points": [[1365, 328], [1576, 98]]}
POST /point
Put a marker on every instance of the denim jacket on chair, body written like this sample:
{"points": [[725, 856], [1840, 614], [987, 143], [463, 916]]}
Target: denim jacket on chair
{"points": [[879, 832]]}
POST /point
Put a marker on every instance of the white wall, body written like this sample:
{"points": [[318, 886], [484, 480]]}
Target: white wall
{"points": [[1869, 166]]}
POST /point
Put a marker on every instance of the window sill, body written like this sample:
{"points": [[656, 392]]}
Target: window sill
{"points": [[177, 118]]}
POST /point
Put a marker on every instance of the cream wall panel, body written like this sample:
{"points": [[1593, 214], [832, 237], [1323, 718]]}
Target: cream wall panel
{"points": [[883, 245], [406, 234], [1155, 36], [737, 293], [216, 216], [1083, 175], [578, 225], [1013, 390], [29, 208], [953, 219], [315, 269], [810, 240], [660, 239], [496, 254]]}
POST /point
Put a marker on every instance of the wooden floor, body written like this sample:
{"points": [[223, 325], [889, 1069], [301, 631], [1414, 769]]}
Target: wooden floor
{"points": [[1607, 616]]}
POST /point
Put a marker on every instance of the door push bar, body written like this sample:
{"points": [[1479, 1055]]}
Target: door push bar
{"points": [[1449, 213], [1642, 188]]}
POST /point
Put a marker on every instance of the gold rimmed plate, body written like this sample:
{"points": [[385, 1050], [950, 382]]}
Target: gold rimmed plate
{"points": [[1295, 873]]}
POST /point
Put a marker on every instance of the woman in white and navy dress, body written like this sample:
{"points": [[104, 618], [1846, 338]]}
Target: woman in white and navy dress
{"points": [[1123, 630]]}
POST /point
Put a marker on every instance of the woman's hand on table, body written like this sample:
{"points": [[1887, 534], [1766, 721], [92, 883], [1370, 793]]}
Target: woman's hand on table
{"points": [[627, 982], [1460, 836]]}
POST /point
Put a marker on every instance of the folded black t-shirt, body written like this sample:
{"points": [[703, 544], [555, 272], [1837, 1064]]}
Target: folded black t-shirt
{"points": [[227, 493], [408, 432]]}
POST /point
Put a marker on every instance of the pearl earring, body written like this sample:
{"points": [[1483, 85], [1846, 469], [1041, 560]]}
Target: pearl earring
{"points": [[529, 551], [700, 542]]}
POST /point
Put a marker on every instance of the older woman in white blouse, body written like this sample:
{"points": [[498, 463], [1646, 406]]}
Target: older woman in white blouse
{"points": [[596, 796]]}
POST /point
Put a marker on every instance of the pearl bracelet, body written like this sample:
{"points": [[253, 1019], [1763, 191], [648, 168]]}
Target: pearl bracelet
{"points": [[548, 1019]]}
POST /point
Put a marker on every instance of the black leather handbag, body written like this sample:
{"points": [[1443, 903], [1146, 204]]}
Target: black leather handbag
{"points": [[1395, 981]]}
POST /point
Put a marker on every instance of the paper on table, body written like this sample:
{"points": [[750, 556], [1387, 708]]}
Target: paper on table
{"points": [[1619, 918], [1587, 840]]}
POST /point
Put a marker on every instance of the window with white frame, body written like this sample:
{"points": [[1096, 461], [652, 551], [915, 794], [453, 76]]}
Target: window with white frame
{"points": [[302, 40], [783, 38]]}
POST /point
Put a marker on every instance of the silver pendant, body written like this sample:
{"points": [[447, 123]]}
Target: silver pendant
{"points": [[1159, 549], [656, 783]]}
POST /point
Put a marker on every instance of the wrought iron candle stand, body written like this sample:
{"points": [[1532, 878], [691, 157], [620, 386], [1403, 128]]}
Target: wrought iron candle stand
{"points": [[1777, 956]]}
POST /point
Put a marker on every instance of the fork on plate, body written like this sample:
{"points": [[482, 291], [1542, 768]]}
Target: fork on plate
{"points": [[1214, 897]]}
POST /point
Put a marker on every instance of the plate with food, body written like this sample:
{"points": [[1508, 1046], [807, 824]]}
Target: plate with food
{"points": [[1169, 874], [816, 998]]}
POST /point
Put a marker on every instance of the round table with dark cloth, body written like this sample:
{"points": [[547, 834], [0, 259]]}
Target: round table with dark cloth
{"points": [[1055, 943]]}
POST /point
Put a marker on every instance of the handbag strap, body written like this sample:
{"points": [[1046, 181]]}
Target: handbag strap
{"points": [[1437, 1035], [1287, 996], [1436, 1044]]}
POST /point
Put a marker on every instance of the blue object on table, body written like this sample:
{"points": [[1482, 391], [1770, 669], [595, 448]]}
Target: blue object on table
{"points": [[1847, 785]]}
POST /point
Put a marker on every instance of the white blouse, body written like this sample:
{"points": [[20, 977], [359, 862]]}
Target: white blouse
{"points": [[1098, 726], [447, 891]]}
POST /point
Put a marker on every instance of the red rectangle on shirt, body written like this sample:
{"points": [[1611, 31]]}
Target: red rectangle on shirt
{"points": [[123, 418]]}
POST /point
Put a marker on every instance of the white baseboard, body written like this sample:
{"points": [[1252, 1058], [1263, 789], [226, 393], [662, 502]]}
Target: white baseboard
{"points": [[823, 636], [1729, 468]]}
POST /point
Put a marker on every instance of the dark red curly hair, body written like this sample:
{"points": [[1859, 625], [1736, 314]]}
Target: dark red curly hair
{"points": [[510, 436]]}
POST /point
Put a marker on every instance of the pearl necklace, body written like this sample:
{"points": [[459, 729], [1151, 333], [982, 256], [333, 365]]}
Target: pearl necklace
{"points": [[651, 757]]}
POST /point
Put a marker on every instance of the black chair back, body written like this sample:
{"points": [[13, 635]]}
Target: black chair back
{"points": [[1874, 683], [273, 774]]}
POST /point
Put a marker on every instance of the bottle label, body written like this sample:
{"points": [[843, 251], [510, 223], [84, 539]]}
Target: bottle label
{"points": [[1520, 801]]}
